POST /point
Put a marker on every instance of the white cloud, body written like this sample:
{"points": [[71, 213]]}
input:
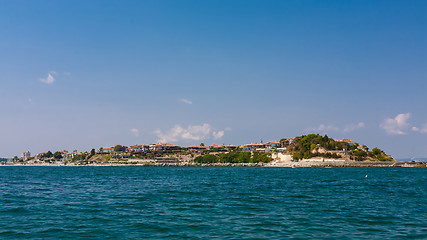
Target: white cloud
{"points": [[135, 132], [218, 135], [191, 133], [50, 78], [397, 125], [186, 101], [324, 128], [423, 129], [353, 127]]}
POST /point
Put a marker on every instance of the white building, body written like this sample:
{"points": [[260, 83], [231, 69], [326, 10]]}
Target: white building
{"points": [[26, 155]]}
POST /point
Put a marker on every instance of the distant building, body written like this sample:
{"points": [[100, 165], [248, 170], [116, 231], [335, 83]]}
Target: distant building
{"points": [[66, 155], [216, 146], [26, 155], [286, 142], [259, 147], [196, 148], [272, 144], [364, 148], [163, 147], [139, 148], [345, 140], [230, 147], [107, 150]]}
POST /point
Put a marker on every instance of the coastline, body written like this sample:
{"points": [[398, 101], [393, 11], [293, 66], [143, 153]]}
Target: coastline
{"points": [[303, 164]]}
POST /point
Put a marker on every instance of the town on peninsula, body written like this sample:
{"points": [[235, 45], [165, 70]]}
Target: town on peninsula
{"points": [[312, 150]]}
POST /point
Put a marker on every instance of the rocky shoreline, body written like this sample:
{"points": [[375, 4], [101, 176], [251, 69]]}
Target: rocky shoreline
{"points": [[350, 164], [272, 164]]}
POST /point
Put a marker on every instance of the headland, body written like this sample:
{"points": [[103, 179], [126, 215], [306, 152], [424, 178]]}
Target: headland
{"points": [[312, 150]]}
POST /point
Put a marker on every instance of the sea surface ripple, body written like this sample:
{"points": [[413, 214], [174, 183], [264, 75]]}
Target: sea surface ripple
{"points": [[212, 203]]}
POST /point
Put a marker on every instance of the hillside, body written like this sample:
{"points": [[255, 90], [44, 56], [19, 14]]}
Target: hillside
{"points": [[315, 145]]}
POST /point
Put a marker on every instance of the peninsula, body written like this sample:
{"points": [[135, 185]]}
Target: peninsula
{"points": [[312, 150]]}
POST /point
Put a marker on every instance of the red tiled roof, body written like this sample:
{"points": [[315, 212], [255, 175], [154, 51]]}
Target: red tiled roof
{"points": [[171, 145]]}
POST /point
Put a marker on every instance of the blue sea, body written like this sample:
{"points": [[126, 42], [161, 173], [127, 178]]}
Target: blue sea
{"points": [[212, 203]]}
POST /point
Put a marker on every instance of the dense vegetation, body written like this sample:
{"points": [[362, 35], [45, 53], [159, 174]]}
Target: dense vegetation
{"points": [[375, 154], [49, 154], [315, 145], [119, 148], [235, 157]]}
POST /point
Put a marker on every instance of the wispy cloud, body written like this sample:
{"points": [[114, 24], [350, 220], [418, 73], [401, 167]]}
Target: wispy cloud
{"points": [[186, 101], [323, 128], [423, 129], [353, 127], [397, 125], [191, 133], [50, 78], [135, 132], [218, 134]]}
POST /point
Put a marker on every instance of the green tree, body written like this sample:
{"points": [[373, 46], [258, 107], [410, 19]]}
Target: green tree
{"points": [[235, 157], [325, 138], [244, 157], [312, 147], [48, 154], [376, 151], [208, 158], [57, 155], [360, 154], [261, 157], [297, 156], [119, 148], [384, 158], [307, 155], [202, 144]]}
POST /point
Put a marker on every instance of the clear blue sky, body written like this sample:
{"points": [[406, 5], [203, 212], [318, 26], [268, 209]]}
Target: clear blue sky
{"points": [[86, 74]]}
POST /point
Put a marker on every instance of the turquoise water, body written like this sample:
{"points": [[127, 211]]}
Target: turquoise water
{"points": [[214, 203]]}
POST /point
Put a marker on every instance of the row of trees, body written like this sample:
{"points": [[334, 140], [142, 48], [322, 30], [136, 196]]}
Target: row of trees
{"points": [[376, 153], [57, 155], [235, 157]]}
